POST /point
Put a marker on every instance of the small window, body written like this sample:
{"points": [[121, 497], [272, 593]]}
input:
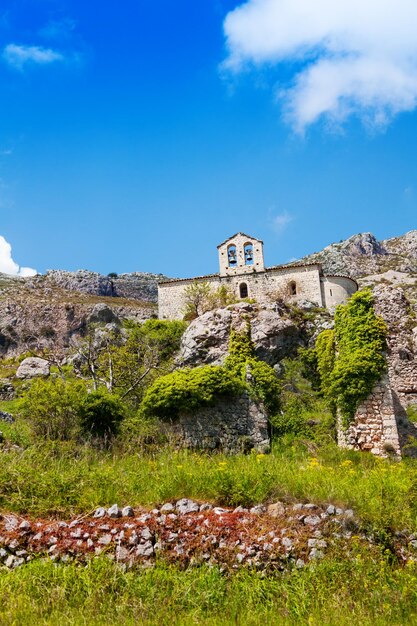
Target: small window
{"points": [[248, 253], [231, 256], [331, 292], [243, 290], [292, 288]]}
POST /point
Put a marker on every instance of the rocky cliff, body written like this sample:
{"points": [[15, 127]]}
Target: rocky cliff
{"points": [[363, 255]]}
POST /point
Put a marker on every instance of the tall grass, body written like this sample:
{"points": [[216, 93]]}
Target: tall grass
{"points": [[363, 590], [63, 480]]}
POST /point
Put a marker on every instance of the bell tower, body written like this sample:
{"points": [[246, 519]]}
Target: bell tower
{"points": [[241, 254]]}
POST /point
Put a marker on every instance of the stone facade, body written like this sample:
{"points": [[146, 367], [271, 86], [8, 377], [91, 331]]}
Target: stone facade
{"points": [[232, 425], [242, 269], [381, 424]]}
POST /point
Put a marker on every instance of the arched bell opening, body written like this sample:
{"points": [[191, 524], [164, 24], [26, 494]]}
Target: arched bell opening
{"points": [[231, 255], [243, 290], [248, 253]]}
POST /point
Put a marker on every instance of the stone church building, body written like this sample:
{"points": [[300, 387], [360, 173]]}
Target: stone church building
{"points": [[242, 269]]}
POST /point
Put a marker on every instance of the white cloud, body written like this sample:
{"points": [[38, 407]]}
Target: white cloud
{"points": [[281, 221], [8, 265], [357, 57], [18, 56]]}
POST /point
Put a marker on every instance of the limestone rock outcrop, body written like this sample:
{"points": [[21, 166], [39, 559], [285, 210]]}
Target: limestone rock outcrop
{"points": [[274, 334], [363, 254], [134, 286], [33, 367]]}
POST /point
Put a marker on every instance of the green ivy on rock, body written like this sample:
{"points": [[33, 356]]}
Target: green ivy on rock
{"points": [[351, 359], [188, 389]]}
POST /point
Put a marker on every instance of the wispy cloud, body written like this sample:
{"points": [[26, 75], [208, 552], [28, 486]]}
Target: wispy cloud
{"points": [[280, 222], [8, 265], [356, 57], [18, 56]]}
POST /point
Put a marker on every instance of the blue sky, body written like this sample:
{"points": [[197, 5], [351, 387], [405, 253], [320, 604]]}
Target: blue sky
{"points": [[137, 136]]}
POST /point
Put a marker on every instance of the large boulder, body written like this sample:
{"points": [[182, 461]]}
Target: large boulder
{"points": [[102, 314], [32, 367], [274, 334]]}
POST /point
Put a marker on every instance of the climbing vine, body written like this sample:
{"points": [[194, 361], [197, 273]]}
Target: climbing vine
{"points": [[351, 358]]}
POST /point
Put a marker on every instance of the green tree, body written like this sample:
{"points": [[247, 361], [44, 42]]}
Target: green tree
{"points": [[196, 299]]}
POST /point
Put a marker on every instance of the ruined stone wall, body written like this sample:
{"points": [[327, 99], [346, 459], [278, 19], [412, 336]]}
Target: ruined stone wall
{"points": [[381, 424], [374, 428], [232, 425]]}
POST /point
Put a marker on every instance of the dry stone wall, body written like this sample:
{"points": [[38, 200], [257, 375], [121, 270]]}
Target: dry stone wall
{"points": [[231, 425]]}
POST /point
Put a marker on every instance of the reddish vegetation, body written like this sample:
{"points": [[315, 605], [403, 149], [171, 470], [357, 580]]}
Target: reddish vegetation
{"points": [[295, 535]]}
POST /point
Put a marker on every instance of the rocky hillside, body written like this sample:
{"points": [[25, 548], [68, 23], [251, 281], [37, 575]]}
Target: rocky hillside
{"points": [[134, 286], [54, 310], [363, 255]]}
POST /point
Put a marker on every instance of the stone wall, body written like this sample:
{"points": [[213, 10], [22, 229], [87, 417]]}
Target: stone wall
{"points": [[335, 289], [232, 425], [374, 428], [381, 424], [262, 287]]}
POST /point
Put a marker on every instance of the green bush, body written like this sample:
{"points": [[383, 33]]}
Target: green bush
{"points": [[188, 389], [101, 414], [351, 358], [264, 385], [263, 382], [51, 407], [163, 335]]}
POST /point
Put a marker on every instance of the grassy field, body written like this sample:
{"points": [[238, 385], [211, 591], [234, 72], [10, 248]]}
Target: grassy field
{"points": [[62, 479], [363, 590], [363, 587]]}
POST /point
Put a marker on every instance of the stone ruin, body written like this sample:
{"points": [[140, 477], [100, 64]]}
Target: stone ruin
{"points": [[381, 424], [232, 425]]}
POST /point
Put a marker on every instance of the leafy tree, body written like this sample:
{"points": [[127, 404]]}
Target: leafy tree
{"points": [[196, 299], [127, 366]]}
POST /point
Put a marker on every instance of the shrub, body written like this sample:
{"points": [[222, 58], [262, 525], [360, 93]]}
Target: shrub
{"points": [[187, 389], [52, 406], [101, 414], [264, 384]]}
